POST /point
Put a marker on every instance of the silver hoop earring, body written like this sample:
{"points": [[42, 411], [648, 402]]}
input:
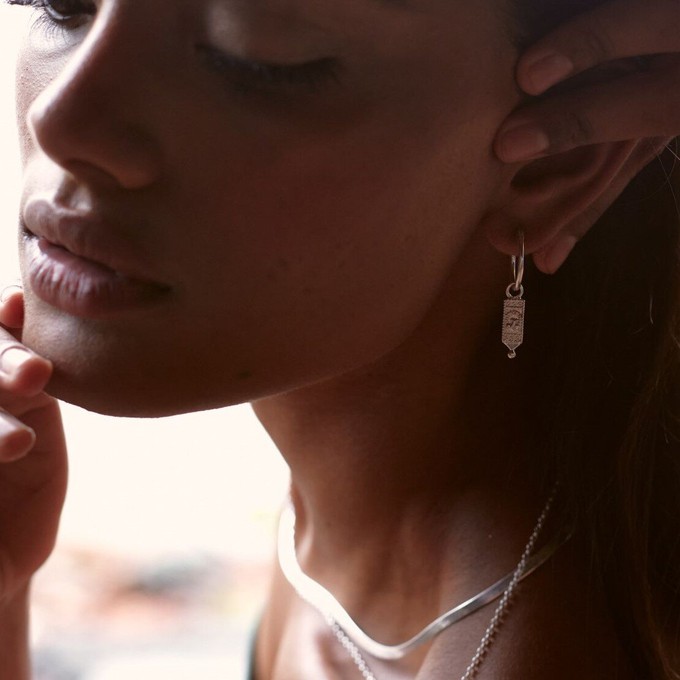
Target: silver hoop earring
{"points": [[513, 307]]}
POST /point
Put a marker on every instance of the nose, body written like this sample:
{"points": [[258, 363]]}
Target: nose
{"points": [[94, 118]]}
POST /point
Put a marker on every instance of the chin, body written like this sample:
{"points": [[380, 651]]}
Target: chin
{"points": [[89, 394], [136, 395], [120, 374]]}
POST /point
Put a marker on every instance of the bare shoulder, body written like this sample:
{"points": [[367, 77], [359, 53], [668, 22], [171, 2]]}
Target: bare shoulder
{"points": [[558, 627], [532, 645]]}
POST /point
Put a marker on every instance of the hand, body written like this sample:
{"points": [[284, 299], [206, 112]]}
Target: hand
{"points": [[33, 468], [644, 103]]}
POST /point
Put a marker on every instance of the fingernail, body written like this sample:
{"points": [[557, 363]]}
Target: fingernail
{"points": [[556, 256], [8, 291], [522, 143], [15, 438], [12, 359], [548, 71]]}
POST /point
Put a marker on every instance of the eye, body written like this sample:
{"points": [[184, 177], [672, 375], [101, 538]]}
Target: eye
{"points": [[242, 75], [246, 76], [63, 13]]}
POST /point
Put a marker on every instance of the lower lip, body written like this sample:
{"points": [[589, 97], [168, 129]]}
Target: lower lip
{"points": [[81, 287]]}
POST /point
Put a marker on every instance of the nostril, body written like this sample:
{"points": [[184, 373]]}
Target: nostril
{"points": [[91, 175], [101, 159]]}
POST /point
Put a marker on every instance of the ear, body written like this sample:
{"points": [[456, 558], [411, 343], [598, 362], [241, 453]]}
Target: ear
{"points": [[555, 200]]}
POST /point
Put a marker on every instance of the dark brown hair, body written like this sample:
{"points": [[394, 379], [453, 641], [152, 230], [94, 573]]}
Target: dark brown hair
{"points": [[611, 320]]}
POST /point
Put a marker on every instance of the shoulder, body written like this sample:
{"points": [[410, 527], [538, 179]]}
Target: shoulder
{"points": [[558, 627], [533, 644]]}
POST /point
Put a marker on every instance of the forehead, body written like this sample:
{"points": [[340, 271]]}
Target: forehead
{"points": [[399, 24], [333, 14], [300, 8]]}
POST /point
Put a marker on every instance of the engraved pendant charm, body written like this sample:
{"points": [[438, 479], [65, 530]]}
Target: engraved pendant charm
{"points": [[513, 321], [513, 307]]}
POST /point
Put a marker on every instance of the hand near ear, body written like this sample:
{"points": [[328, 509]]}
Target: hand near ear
{"points": [[643, 103], [556, 199]]}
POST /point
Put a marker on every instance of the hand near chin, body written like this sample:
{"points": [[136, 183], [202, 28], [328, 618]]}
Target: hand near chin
{"points": [[33, 468]]}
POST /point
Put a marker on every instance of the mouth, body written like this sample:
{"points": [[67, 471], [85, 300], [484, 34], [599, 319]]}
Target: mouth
{"points": [[83, 265]]}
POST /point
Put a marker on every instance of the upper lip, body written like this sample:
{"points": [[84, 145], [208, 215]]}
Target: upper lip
{"points": [[86, 235]]}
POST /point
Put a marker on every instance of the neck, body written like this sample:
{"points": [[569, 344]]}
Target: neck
{"points": [[426, 452]]}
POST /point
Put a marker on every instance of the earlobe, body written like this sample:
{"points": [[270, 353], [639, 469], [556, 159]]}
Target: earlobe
{"points": [[555, 254], [556, 199]]}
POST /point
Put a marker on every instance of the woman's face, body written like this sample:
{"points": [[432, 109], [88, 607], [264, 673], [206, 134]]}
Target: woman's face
{"points": [[263, 226]]}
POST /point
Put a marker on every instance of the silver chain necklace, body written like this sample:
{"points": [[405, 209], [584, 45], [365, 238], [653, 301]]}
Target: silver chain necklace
{"points": [[352, 637]]}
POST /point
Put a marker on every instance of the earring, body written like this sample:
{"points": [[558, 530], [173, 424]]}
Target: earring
{"points": [[513, 307]]}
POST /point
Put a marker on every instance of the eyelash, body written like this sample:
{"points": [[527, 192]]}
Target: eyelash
{"points": [[51, 20], [248, 76], [244, 76]]}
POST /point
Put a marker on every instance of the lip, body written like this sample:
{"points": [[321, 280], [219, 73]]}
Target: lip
{"points": [[84, 265]]}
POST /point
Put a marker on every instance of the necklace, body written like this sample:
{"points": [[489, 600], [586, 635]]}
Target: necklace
{"points": [[352, 637]]}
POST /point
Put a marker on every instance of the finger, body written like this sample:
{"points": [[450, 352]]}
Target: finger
{"points": [[12, 306], [22, 372], [615, 30], [16, 439], [599, 113]]}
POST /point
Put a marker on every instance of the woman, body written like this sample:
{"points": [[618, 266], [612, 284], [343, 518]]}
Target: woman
{"points": [[296, 204]]}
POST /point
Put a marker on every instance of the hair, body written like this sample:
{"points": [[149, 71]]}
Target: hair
{"points": [[610, 320]]}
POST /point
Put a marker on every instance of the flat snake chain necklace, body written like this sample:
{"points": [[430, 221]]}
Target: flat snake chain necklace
{"points": [[355, 640]]}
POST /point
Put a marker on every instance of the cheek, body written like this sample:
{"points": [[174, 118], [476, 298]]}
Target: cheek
{"points": [[27, 89], [329, 251], [33, 75]]}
